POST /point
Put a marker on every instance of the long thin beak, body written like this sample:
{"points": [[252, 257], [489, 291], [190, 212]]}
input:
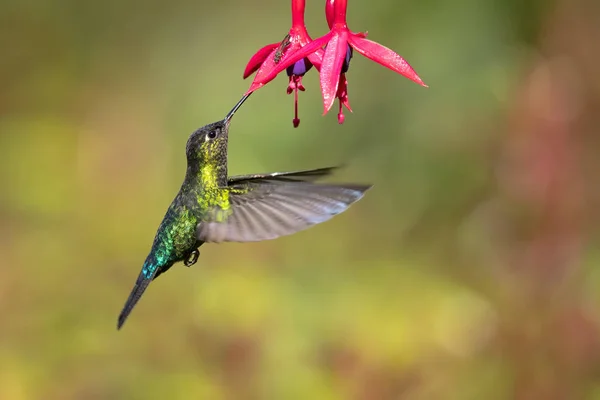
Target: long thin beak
{"points": [[235, 108]]}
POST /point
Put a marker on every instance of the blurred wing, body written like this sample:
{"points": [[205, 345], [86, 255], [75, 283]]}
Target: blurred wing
{"points": [[296, 176], [269, 206]]}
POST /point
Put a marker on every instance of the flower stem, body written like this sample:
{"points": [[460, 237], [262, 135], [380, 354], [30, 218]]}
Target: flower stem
{"points": [[329, 11], [339, 16], [298, 13]]}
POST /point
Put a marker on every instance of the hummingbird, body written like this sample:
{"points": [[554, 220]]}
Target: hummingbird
{"points": [[211, 207]]}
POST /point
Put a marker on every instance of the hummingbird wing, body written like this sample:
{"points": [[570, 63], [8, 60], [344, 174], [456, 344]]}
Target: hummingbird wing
{"points": [[263, 207], [305, 175]]}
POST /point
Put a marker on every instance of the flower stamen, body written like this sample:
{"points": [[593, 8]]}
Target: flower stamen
{"points": [[295, 73]]}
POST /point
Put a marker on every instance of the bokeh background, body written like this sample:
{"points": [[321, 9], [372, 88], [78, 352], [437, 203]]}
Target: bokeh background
{"points": [[469, 271]]}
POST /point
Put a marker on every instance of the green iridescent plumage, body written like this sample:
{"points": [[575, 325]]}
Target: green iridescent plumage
{"points": [[210, 207]]}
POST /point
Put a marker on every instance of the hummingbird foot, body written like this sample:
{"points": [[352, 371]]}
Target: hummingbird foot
{"points": [[191, 258]]}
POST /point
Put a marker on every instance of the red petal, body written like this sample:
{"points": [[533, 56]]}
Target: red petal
{"points": [[267, 65], [343, 89], [258, 58], [316, 59], [269, 69], [304, 39], [346, 104], [334, 57], [384, 56]]}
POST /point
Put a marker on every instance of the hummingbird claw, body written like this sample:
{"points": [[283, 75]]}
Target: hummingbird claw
{"points": [[191, 258]]}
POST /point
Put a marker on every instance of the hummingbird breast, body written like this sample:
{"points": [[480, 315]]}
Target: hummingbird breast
{"points": [[176, 237]]}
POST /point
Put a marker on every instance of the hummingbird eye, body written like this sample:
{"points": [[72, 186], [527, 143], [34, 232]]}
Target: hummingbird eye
{"points": [[211, 135]]}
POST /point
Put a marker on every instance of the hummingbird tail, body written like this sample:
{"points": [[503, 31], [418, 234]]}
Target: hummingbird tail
{"points": [[140, 287]]}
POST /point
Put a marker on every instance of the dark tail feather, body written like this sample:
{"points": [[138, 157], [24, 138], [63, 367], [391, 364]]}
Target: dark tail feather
{"points": [[140, 287]]}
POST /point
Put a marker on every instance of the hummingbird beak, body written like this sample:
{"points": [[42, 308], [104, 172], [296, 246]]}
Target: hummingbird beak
{"points": [[227, 119]]}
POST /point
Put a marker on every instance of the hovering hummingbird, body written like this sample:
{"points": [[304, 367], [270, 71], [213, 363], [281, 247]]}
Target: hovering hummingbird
{"points": [[212, 207]]}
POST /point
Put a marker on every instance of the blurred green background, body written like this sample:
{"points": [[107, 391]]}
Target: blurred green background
{"points": [[469, 271]]}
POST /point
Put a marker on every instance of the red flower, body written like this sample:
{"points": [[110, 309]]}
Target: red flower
{"points": [[341, 41], [274, 58], [332, 63]]}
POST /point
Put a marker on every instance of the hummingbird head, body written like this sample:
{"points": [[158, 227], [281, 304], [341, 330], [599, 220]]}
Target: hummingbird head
{"points": [[208, 144]]}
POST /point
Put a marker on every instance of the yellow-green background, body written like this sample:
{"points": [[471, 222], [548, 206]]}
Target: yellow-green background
{"points": [[469, 271]]}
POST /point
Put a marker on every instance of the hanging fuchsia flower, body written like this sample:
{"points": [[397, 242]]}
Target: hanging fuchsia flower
{"points": [[341, 42], [332, 63], [274, 58]]}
